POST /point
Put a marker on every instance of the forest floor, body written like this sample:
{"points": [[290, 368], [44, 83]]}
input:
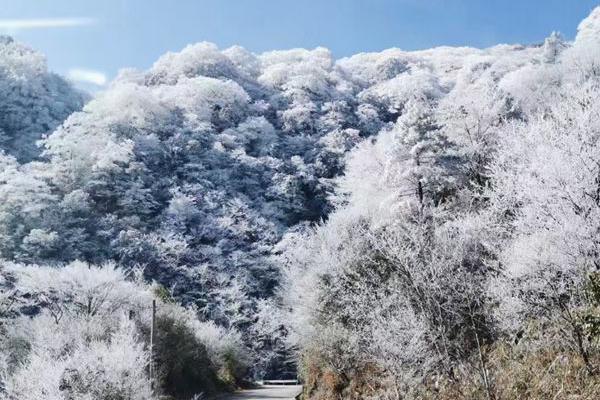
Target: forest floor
{"points": [[266, 392]]}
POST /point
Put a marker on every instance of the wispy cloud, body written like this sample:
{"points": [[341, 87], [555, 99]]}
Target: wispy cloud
{"points": [[89, 76], [15, 25]]}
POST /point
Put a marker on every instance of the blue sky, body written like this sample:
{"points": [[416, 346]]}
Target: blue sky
{"points": [[102, 36]]}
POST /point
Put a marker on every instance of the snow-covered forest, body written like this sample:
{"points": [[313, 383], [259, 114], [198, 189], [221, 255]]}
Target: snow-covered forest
{"points": [[392, 225]]}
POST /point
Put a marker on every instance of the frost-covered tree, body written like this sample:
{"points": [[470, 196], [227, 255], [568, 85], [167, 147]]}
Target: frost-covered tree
{"points": [[394, 213], [34, 101], [546, 181], [83, 333]]}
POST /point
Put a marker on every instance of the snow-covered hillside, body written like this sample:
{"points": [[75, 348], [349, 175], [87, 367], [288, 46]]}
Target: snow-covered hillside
{"points": [[400, 211]]}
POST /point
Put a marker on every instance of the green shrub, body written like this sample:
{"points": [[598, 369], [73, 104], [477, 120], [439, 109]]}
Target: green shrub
{"points": [[184, 368]]}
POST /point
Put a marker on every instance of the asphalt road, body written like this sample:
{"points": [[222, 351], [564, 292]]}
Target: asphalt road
{"points": [[267, 392]]}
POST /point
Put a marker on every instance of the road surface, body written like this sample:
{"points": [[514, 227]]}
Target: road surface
{"points": [[267, 392]]}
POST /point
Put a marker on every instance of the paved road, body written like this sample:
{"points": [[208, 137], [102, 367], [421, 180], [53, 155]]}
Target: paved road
{"points": [[267, 392]]}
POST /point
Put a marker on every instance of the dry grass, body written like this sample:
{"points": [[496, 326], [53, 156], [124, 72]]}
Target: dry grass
{"points": [[323, 383], [530, 370], [542, 374]]}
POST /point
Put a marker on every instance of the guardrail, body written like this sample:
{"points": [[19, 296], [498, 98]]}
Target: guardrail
{"points": [[280, 382]]}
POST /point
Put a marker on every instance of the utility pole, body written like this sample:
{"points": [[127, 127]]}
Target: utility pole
{"points": [[152, 334]]}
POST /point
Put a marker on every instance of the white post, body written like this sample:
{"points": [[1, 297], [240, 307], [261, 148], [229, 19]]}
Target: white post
{"points": [[152, 334]]}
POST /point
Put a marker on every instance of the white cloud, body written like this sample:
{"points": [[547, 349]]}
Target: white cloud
{"points": [[87, 76], [15, 25]]}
